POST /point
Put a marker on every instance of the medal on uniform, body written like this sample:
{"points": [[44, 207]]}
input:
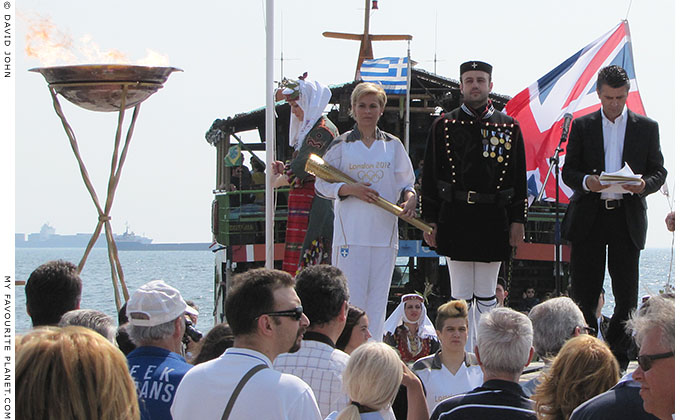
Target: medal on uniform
{"points": [[502, 139], [508, 146], [500, 155], [485, 154], [493, 154], [494, 139], [499, 159]]}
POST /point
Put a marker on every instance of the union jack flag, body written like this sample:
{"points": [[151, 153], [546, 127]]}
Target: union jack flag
{"points": [[569, 88]]}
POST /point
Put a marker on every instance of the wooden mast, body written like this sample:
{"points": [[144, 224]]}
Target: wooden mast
{"points": [[366, 50]]}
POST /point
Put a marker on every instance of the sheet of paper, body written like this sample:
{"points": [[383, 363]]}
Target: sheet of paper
{"points": [[626, 175]]}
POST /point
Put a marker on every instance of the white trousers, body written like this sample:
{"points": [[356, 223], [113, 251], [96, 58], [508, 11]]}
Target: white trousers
{"points": [[369, 271], [475, 282]]}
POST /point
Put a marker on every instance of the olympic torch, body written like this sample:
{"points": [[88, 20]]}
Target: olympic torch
{"points": [[318, 167]]}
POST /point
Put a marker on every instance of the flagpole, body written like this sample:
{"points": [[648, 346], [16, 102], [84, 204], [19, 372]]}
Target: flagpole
{"points": [[407, 100], [270, 132]]}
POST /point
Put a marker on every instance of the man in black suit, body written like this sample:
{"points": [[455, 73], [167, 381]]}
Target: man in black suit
{"points": [[604, 141]]}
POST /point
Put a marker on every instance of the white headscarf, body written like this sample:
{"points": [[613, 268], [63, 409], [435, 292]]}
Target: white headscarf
{"points": [[426, 327], [313, 99]]}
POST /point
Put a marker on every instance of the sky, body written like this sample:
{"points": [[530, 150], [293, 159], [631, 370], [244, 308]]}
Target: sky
{"points": [[166, 188]]}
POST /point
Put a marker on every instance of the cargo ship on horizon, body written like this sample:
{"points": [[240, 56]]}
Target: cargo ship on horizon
{"points": [[128, 240]]}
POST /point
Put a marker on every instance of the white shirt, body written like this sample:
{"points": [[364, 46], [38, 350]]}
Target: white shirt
{"points": [[269, 394], [374, 415], [440, 384], [614, 139], [386, 165], [321, 366]]}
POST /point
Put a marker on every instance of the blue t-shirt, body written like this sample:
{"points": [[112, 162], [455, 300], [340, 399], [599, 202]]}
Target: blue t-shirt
{"points": [[156, 372]]}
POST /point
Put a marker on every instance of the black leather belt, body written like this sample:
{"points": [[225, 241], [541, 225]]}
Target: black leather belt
{"points": [[473, 197], [611, 204], [447, 193]]}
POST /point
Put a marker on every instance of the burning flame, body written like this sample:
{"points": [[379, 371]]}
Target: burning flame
{"points": [[51, 46]]}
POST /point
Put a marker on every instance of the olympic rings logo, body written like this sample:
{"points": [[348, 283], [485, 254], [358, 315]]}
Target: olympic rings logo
{"points": [[370, 176]]}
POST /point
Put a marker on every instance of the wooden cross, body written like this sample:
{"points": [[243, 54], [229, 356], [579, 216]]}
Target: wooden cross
{"points": [[366, 50]]}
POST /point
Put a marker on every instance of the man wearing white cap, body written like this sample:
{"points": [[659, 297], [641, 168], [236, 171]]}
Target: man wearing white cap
{"points": [[156, 325]]}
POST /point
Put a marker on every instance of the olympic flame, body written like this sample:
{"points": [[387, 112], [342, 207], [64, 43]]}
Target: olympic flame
{"points": [[319, 168], [52, 46]]}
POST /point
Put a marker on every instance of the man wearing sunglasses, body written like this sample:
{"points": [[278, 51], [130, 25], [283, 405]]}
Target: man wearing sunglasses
{"points": [[654, 329], [324, 294], [648, 392], [266, 316]]}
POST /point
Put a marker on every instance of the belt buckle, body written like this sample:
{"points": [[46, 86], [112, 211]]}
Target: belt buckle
{"points": [[606, 204], [469, 199]]}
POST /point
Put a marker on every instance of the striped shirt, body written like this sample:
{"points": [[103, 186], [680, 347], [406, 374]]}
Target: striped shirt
{"points": [[494, 400]]}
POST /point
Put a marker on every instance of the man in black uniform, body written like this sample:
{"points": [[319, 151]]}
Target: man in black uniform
{"points": [[474, 191]]}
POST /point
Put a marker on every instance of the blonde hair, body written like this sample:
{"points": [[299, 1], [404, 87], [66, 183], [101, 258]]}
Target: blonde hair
{"points": [[584, 368], [72, 373], [372, 378], [366, 88], [452, 309]]}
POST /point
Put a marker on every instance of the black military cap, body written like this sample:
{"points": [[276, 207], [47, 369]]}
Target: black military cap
{"points": [[475, 65]]}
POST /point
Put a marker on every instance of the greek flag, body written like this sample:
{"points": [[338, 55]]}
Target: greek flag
{"points": [[391, 72]]}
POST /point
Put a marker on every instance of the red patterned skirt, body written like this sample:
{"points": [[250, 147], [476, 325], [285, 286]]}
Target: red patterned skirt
{"points": [[299, 206]]}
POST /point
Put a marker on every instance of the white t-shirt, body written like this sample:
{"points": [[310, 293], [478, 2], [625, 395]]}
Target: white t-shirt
{"points": [[387, 167], [440, 384], [269, 394]]}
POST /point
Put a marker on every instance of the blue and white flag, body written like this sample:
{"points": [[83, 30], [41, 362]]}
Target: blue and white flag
{"points": [[391, 72]]}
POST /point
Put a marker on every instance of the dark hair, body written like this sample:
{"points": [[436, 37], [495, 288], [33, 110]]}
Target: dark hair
{"points": [[322, 290], [252, 295], [502, 282], [122, 315], [214, 343], [257, 164], [53, 289], [613, 76], [123, 341], [354, 314]]}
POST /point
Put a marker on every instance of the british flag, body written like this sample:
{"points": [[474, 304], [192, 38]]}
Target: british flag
{"points": [[569, 88]]}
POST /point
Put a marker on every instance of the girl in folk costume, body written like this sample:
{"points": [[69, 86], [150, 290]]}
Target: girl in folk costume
{"points": [[410, 330], [365, 237], [309, 229]]}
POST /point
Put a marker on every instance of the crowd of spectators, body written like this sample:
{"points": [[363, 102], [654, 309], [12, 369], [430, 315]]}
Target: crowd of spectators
{"points": [[293, 348]]}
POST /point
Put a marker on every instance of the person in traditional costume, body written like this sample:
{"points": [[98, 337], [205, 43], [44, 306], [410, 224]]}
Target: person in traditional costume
{"points": [[309, 229], [474, 190], [410, 331], [365, 237]]}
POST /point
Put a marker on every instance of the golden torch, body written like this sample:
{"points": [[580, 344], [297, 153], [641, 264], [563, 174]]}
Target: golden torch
{"points": [[318, 167]]}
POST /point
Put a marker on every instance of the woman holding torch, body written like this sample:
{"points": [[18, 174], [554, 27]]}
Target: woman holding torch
{"points": [[365, 237]]}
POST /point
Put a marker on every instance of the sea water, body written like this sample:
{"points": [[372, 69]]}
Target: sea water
{"points": [[191, 272]]}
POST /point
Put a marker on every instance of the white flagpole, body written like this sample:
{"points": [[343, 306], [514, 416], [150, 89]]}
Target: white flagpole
{"points": [[407, 100], [269, 133]]}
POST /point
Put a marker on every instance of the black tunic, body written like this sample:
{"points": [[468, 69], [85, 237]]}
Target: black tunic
{"points": [[485, 155]]}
